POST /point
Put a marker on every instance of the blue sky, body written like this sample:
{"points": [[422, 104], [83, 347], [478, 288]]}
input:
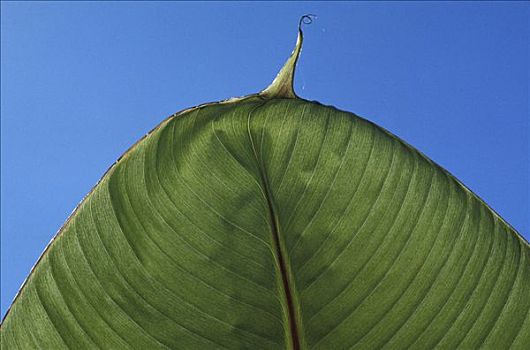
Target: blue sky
{"points": [[81, 82]]}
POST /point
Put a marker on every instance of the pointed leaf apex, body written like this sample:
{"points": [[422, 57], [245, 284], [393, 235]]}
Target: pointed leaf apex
{"points": [[283, 85]]}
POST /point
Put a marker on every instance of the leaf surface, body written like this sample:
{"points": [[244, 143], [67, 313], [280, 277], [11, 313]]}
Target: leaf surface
{"points": [[270, 223]]}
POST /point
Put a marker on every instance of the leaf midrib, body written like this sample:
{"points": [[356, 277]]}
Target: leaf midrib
{"points": [[283, 269], [280, 255]]}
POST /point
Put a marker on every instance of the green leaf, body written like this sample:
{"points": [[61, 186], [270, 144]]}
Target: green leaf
{"points": [[271, 222]]}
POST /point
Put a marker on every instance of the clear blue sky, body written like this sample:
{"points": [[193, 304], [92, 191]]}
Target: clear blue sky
{"points": [[81, 82]]}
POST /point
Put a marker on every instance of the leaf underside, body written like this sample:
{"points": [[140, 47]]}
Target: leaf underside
{"points": [[182, 242]]}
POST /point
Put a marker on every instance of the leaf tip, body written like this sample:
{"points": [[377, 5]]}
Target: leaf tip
{"points": [[283, 85]]}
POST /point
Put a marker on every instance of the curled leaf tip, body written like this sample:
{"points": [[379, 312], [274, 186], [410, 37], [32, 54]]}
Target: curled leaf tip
{"points": [[283, 85], [306, 19]]}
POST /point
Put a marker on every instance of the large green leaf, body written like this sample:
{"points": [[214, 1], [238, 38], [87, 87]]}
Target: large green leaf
{"points": [[271, 222]]}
